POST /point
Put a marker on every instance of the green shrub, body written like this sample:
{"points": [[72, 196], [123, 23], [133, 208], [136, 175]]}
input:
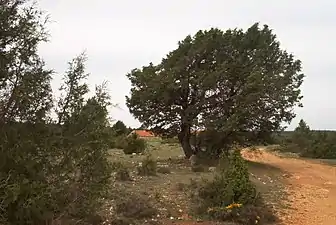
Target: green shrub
{"points": [[230, 196], [147, 167], [134, 144]]}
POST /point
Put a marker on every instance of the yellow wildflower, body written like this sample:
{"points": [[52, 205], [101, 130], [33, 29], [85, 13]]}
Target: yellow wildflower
{"points": [[229, 206], [233, 205]]}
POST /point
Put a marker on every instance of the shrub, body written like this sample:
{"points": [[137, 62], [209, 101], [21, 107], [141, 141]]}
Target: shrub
{"points": [[134, 144], [243, 214], [230, 196], [147, 167]]}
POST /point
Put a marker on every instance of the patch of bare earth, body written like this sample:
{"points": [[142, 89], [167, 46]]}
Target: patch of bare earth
{"points": [[311, 189]]}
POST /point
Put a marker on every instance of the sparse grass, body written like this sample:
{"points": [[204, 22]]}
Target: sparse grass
{"points": [[163, 170], [198, 168], [169, 192]]}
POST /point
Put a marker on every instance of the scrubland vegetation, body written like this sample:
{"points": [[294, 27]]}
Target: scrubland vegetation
{"points": [[218, 92]]}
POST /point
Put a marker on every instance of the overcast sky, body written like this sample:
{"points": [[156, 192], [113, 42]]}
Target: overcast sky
{"points": [[121, 35]]}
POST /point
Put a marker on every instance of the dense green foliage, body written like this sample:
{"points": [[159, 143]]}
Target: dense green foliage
{"points": [[231, 185], [233, 82], [51, 172], [134, 144], [309, 143], [119, 128], [231, 196], [118, 136]]}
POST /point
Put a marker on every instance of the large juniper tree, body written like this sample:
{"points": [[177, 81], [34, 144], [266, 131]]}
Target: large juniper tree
{"points": [[25, 101], [50, 172], [235, 82], [25, 92]]}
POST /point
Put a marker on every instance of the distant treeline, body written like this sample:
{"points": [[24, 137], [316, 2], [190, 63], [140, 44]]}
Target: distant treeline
{"points": [[308, 143]]}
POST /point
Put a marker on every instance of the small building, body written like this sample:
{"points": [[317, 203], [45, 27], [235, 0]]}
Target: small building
{"points": [[143, 133]]}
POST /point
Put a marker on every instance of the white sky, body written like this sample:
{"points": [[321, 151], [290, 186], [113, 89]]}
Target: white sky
{"points": [[121, 35]]}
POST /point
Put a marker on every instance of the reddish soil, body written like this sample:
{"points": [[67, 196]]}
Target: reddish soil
{"points": [[311, 187]]}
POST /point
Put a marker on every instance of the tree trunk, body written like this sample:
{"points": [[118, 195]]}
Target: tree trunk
{"points": [[184, 138]]}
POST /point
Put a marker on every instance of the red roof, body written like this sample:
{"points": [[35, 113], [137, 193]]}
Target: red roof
{"points": [[144, 133]]}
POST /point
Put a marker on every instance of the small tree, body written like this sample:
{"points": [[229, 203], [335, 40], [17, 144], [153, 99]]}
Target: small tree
{"points": [[134, 144], [26, 149], [236, 82], [84, 127], [231, 185], [301, 140], [302, 128], [120, 128], [231, 196]]}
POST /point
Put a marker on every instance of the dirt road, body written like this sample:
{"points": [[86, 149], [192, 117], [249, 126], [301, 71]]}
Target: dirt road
{"points": [[311, 187]]}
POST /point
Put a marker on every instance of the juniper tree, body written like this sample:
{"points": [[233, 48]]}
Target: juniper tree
{"points": [[25, 102], [239, 83], [50, 173], [120, 128]]}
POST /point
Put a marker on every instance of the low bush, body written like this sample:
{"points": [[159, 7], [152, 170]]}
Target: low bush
{"points": [[147, 167], [231, 196], [134, 144], [243, 214]]}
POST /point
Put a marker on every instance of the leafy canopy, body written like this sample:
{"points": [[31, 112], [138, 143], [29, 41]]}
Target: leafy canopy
{"points": [[231, 81], [120, 128]]}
